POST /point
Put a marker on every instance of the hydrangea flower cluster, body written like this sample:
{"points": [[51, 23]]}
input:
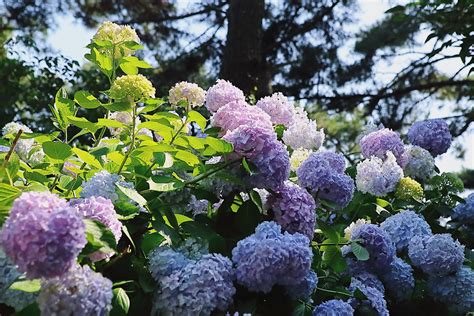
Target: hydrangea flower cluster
{"points": [[298, 157], [323, 175], [399, 280], [116, 34], [102, 210], [261, 147], [103, 184], [294, 209], [375, 298], [187, 92], [432, 135], [8, 272], [17, 299], [43, 235], [221, 93], [123, 117], [24, 147], [81, 291], [281, 111], [378, 177], [378, 244], [163, 261], [196, 206], [287, 259], [437, 254], [133, 88], [380, 142], [303, 133], [418, 163], [237, 113], [455, 290], [349, 229], [402, 227], [368, 279], [408, 189], [334, 307], [197, 288], [464, 212], [305, 288]]}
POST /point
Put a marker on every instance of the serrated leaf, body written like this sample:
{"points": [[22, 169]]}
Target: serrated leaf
{"points": [[359, 252], [86, 100], [87, 158], [120, 303], [83, 123], [187, 157], [200, 120], [99, 235], [132, 194], [57, 150]]}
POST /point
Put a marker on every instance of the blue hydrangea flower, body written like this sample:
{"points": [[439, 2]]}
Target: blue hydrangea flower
{"points": [[305, 288], [8, 272], [199, 288], [403, 226], [103, 184], [455, 290], [399, 280], [294, 209], [18, 300], [270, 257], [375, 298], [163, 261], [379, 142], [333, 308], [81, 291], [419, 163], [378, 244], [464, 212], [322, 174], [369, 279], [432, 135], [438, 254]]}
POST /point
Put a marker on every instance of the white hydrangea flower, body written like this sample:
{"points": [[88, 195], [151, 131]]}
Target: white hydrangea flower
{"points": [[117, 34], [378, 177], [23, 146], [298, 157], [188, 92], [36, 158], [419, 163], [125, 118], [349, 229], [303, 133]]}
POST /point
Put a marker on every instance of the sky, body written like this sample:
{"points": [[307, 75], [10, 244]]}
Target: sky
{"points": [[71, 37]]}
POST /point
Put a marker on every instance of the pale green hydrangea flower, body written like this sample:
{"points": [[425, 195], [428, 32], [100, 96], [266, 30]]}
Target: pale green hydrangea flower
{"points": [[298, 157], [187, 92], [408, 188], [133, 88]]}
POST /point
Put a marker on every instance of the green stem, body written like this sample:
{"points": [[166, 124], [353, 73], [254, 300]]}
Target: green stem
{"points": [[210, 172], [333, 292], [179, 130], [132, 144]]}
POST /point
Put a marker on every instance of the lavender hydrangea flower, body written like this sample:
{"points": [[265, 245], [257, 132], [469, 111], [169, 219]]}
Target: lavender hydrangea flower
{"points": [[43, 235], [456, 290], [278, 107], [419, 163], [399, 280], [305, 288], [81, 291], [322, 174], [375, 298], [380, 142], [437, 254], [270, 257], [464, 212], [378, 177], [221, 93], [369, 279], [8, 272], [294, 209], [104, 184], [333, 308], [378, 244], [199, 288], [163, 261], [238, 113], [303, 133], [102, 210], [432, 135], [402, 227], [196, 206], [265, 152]]}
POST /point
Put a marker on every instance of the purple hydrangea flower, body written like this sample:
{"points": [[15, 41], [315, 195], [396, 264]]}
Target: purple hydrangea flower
{"points": [[278, 107], [378, 244], [222, 93], [199, 288], [238, 113], [270, 257], [322, 174], [437, 254], [305, 288], [102, 210], [264, 151], [399, 280], [419, 163], [333, 308], [375, 298], [369, 279], [43, 235], [402, 227], [294, 209], [81, 291], [380, 142], [432, 135], [464, 212], [455, 290]]}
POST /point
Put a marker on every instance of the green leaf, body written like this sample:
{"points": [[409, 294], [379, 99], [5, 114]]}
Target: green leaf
{"points": [[87, 158], [360, 252], [187, 157], [100, 236], [164, 184], [132, 194], [57, 150], [29, 286], [110, 123], [118, 106], [219, 145], [8, 193], [120, 303], [86, 100], [200, 120], [63, 107], [329, 232], [83, 123], [151, 241], [382, 203]]}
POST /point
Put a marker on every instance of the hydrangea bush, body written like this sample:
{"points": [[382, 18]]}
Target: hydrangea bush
{"points": [[203, 202]]}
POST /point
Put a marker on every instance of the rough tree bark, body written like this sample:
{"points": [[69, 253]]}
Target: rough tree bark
{"points": [[243, 62]]}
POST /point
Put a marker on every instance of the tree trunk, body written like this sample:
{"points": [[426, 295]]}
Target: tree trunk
{"points": [[243, 62]]}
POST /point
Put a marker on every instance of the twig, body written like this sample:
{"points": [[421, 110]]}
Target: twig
{"points": [[15, 141]]}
